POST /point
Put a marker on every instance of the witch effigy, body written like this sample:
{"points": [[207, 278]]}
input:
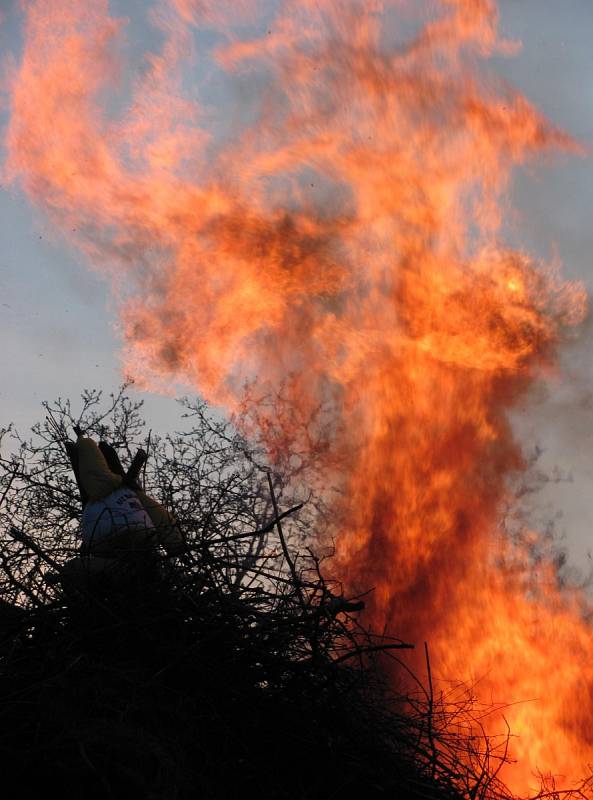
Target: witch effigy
{"points": [[121, 525]]}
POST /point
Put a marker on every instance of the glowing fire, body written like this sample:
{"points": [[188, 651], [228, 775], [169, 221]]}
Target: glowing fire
{"points": [[338, 231]]}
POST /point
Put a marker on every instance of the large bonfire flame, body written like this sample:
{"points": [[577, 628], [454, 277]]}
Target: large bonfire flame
{"points": [[329, 221]]}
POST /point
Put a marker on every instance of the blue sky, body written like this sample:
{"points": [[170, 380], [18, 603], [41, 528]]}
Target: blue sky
{"points": [[59, 328]]}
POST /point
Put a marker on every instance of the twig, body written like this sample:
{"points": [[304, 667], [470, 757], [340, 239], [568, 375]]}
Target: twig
{"points": [[295, 577], [429, 712], [28, 542], [148, 443], [8, 486], [377, 648]]}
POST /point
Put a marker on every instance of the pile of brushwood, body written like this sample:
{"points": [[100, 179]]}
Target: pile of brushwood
{"points": [[235, 670]]}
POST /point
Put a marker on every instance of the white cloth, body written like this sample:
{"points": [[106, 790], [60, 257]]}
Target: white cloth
{"points": [[119, 511]]}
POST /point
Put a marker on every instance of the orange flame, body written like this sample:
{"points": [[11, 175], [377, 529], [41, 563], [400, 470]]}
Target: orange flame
{"points": [[335, 222]]}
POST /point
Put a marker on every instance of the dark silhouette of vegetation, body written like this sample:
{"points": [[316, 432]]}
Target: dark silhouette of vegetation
{"points": [[236, 669]]}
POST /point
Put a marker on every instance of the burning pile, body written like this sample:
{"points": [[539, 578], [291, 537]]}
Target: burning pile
{"points": [[236, 667], [332, 238]]}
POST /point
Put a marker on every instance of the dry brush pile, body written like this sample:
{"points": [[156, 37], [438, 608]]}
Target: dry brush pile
{"points": [[237, 669]]}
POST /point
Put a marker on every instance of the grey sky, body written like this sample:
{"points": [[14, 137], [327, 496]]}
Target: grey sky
{"points": [[58, 326], [555, 70]]}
